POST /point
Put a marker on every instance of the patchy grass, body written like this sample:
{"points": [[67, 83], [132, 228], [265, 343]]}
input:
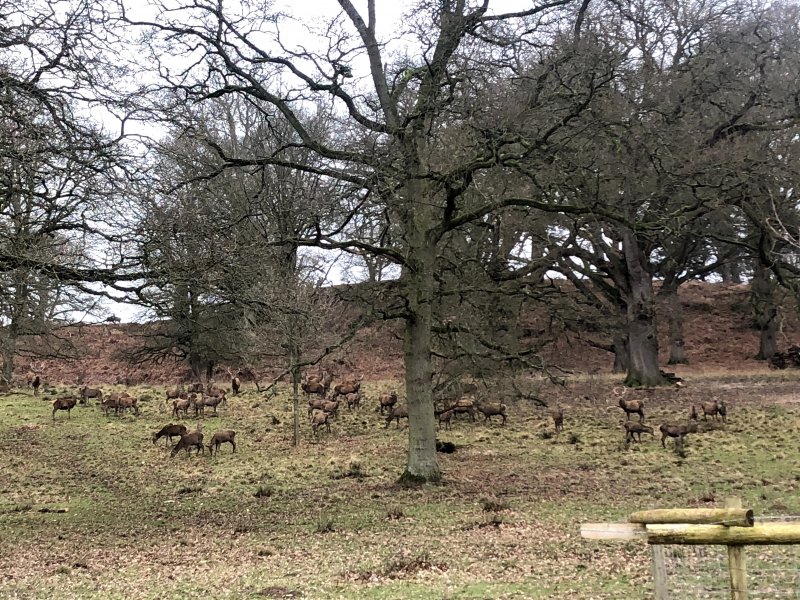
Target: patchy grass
{"points": [[91, 508]]}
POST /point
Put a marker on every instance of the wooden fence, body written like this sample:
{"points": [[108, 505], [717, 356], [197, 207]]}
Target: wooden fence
{"points": [[732, 526]]}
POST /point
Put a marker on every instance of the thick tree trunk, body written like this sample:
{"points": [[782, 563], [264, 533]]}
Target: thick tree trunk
{"points": [[621, 354], [768, 345], [9, 349], [765, 312], [8, 360], [642, 336], [422, 463], [677, 351], [196, 365]]}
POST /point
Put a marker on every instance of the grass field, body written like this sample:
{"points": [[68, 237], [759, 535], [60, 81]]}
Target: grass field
{"points": [[326, 520]]}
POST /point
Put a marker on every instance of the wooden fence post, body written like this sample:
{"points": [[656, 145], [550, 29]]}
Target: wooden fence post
{"points": [[660, 573], [736, 561]]}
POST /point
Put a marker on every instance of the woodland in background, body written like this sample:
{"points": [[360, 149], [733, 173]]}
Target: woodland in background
{"points": [[721, 337], [203, 164]]}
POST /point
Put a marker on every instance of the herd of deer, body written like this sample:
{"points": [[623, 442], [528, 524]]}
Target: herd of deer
{"points": [[324, 399], [197, 397], [634, 430], [321, 408]]}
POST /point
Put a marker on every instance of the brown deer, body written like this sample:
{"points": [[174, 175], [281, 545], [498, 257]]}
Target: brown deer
{"points": [[632, 428], [221, 437], [33, 378], [387, 401], [188, 440], [67, 403], [558, 418], [236, 382], [676, 431], [629, 406], [348, 386]]}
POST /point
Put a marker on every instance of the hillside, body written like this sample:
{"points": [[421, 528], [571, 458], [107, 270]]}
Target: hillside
{"points": [[718, 336]]}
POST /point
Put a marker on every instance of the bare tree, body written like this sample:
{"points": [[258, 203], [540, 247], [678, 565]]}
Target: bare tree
{"points": [[393, 128], [57, 172], [676, 141]]}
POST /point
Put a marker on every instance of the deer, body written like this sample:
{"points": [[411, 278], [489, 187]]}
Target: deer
{"points": [[87, 392], [676, 431], [634, 431], [221, 437], [212, 390], [558, 418], [387, 401], [169, 431], [314, 387], [630, 406], [33, 378], [348, 386], [324, 378], [178, 392], [236, 382], [66, 403], [714, 408], [188, 440]]}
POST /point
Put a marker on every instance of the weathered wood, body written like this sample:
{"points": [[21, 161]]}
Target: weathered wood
{"points": [[738, 517], [613, 531], [660, 574], [737, 566], [758, 534]]}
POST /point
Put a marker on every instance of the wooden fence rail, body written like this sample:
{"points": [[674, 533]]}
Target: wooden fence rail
{"points": [[732, 526]]}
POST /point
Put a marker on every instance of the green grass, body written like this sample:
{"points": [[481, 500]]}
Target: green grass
{"points": [[326, 519]]}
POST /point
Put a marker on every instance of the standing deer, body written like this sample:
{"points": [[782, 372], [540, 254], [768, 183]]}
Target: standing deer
{"points": [[236, 382], [629, 406], [33, 378]]}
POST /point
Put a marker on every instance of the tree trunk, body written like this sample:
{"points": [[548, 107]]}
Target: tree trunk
{"points": [[731, 272], [422, 463], [295, 407], [642, 336], [294, 359], [677, 352], [196, 365], [767, 343], [8, 359], [9, 344], [765, 312], [621, 354]]}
